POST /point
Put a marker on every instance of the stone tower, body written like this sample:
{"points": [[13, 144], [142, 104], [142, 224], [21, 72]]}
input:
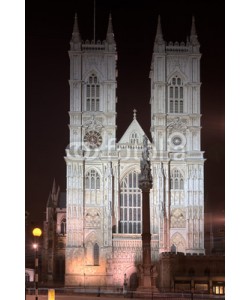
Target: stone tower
{"points": [[177, 159], [92, 139]]}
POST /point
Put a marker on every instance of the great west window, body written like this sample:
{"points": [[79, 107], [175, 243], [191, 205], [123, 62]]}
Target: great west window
{"points": [[130, 205]]}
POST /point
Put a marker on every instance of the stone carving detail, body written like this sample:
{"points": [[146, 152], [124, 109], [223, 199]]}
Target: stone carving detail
{"points": [[93, 124], [178, 219], [145, 174], [92, 219], [94, 63], [177, 63], [177, 124]]}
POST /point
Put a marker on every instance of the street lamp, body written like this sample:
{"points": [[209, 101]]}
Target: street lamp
{"points": [[37, 232]]}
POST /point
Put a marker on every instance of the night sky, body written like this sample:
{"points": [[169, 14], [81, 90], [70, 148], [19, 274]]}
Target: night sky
{"points": [[48, 29]]}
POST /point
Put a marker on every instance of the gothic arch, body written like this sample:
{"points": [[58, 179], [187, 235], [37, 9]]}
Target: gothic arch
{"points": [[92, 237], [92, 168], [131, 277], [63, 224], [180, 170], [92, 90], [63, 216], [178, 240], [135, 137], [176, 93], [133, 168], [177, 179], [95, 71], [97, 178], [177, 72], [130, 204], [90, 246]]}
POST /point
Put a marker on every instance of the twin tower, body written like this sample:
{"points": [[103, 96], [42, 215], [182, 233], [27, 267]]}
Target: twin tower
{"points": [[104, 201]]}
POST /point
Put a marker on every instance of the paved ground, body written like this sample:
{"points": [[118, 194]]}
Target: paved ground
{"points": [[62, 294], [120, 297], [71, 297], [85, 296], [88, 297]]}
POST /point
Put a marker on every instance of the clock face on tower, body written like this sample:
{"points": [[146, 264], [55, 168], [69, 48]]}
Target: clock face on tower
{"points": [[92, 139]]}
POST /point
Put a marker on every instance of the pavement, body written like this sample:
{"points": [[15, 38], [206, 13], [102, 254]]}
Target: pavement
{"points": [[71, 297], [84, 297], [44, 295], [120, 296]]}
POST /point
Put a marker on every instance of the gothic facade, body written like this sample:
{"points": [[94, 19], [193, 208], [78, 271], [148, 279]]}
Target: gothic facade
{"points": [[103, 210]]}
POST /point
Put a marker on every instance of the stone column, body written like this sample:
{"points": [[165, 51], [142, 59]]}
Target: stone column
{"points": [[146, 271]]}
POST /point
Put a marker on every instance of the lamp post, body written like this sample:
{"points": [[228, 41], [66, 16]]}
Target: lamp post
{"points": [[37, 232]]}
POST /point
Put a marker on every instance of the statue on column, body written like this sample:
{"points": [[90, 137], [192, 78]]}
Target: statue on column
{"points": [[146, 271], [145, 162]]}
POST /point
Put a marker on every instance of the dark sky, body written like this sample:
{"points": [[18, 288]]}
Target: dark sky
{"points": [[48, 29]]}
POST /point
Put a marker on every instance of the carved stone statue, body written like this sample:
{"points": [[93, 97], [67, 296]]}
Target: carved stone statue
{"points": [[145, 163]]}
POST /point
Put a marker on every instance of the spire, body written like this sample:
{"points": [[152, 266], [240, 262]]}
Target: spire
{"points": [[159, 42], [49, 202], [193, 36], [54, 195], [159, 37], [75, 43], [134, 111], [54, 187], [110, 34], [76, 28]]}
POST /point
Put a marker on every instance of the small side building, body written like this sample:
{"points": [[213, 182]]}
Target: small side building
{"points": [[192, 273], [54, 235]]}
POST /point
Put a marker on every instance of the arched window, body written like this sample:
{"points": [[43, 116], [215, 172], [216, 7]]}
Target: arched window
{"points": [[177, 180], [93, 94], [92, 180], [134, 139], [96, 254], [175, 92], [63, 226], [130, 205]]}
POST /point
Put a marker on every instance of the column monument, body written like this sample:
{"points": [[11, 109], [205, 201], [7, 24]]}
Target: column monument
{"points": [[146, 271]]}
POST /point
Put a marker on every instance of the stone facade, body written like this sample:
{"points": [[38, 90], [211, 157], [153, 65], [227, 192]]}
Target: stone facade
{"points": [[102, 243]]}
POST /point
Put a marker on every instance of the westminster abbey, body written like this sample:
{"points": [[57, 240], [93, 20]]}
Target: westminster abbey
{"points": [[92, 232]]}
